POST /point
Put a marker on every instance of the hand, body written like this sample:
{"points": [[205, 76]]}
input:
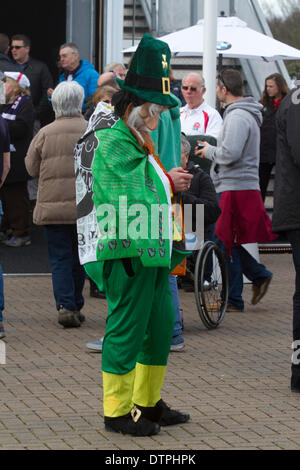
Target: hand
{"points": [[201, 153], [181, 179], [49, 92]]}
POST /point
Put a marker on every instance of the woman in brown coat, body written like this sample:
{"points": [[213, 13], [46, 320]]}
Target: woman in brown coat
{"points": [[51, 159]]}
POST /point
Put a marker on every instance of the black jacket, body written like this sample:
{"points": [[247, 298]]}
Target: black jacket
{"points": [[20, 131], [268, 135], [286, 214], [6, 65], [40, 80], [202, 191]]}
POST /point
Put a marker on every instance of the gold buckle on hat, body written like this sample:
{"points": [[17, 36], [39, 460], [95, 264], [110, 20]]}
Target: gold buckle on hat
{"points": [[166, 86]]}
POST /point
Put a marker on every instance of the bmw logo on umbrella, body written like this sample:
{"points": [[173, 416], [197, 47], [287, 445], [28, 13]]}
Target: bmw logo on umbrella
{"points": [[223, 46]]}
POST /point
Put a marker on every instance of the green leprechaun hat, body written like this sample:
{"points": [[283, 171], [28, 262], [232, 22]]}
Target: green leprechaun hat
{"points": [[148, 76]]}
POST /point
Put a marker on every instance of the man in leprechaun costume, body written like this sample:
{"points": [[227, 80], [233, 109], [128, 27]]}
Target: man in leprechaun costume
{"points": [[130, 256]]}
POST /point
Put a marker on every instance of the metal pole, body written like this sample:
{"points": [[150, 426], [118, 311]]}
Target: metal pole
{"points": [[232, 11], [210, 49], [133, 22], [194, 12], [154, 18], [220, 63]]}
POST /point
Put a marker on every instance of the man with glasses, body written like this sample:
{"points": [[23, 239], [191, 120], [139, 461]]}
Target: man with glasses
{"points": [[197, 117], [40, 80], [39, 76]]}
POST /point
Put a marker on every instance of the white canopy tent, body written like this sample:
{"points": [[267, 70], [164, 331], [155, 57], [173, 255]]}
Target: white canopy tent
{"points": [[235, 40]]}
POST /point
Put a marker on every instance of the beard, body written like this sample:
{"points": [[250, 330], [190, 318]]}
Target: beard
{"points": [[136, 122]]}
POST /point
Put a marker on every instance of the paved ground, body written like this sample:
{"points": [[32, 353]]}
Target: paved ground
{"points": [[233, 381]]}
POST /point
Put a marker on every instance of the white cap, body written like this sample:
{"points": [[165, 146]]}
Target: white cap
{"points": [[19, 77]]}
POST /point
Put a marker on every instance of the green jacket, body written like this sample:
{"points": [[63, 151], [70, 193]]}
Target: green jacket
{"points": [[110, 164], [128, 187]]}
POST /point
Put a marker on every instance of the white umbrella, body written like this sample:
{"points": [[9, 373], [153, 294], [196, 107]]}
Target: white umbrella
{"points": [[235, 40]]}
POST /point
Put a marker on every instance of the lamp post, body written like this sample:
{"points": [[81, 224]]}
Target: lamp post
{"points": [[210, 49]]}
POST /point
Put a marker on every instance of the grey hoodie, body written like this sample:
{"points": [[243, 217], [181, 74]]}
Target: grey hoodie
{"points": [[236, 157]]}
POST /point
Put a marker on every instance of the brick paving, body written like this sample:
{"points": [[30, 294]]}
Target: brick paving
{"points": [[234, 381]]}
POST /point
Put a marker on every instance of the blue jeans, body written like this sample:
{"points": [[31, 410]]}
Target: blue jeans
{"points": [[1, 294], [174, 292], [68, 276], [241, 262]]}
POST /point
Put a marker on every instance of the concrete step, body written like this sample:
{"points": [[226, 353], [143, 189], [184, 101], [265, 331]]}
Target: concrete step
{"points": [[139, 23]]}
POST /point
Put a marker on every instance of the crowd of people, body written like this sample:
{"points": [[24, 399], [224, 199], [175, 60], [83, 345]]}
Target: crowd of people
{"points": [[133, 133]]}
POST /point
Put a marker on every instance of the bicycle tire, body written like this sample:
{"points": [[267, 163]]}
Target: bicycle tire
{"points": [[197, 283], [211, 296]]}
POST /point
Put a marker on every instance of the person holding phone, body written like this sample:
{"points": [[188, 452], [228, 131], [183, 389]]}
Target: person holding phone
{"points": [[235, 163]]}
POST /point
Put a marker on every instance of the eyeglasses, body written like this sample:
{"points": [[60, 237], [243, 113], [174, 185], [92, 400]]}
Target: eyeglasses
{"points": [[192, 88], [16, 47]]}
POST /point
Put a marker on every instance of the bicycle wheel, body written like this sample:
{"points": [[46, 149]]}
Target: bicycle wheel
{"points": [[211, 285]]}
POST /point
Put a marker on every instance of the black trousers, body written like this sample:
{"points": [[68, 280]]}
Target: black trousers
{"points": [[294, 239], [265, 170], [16, 208]]}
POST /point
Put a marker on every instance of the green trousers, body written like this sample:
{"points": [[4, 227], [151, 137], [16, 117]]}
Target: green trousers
{"points": [[138, 334]]}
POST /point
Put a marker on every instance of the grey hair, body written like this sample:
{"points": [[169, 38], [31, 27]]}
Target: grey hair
{"points": [[113, 66], [199, 76], [72, 46], [67, 99], [185, 144], [137, 123]]}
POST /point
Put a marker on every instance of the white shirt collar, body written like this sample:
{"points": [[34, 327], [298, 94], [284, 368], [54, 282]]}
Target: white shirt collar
{"points": [[188, 110]]}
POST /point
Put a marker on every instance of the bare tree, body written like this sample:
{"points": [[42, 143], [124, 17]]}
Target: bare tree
{"points": [[286, 8], [286, 29]]}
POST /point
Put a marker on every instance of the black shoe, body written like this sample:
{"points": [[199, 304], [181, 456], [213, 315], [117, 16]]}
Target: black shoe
{"points": [[188, 288], [162, 414], [94, 292], [132, 423], [68, 319]]}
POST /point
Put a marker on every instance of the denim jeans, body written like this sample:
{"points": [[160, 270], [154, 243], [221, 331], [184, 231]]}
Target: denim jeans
{"points": [[174, 291], [68, 276], [241, 262], [1, 294], [294, 239]]}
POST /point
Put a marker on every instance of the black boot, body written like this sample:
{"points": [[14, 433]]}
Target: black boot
{"points": [[133, 423], [162, 414]]}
